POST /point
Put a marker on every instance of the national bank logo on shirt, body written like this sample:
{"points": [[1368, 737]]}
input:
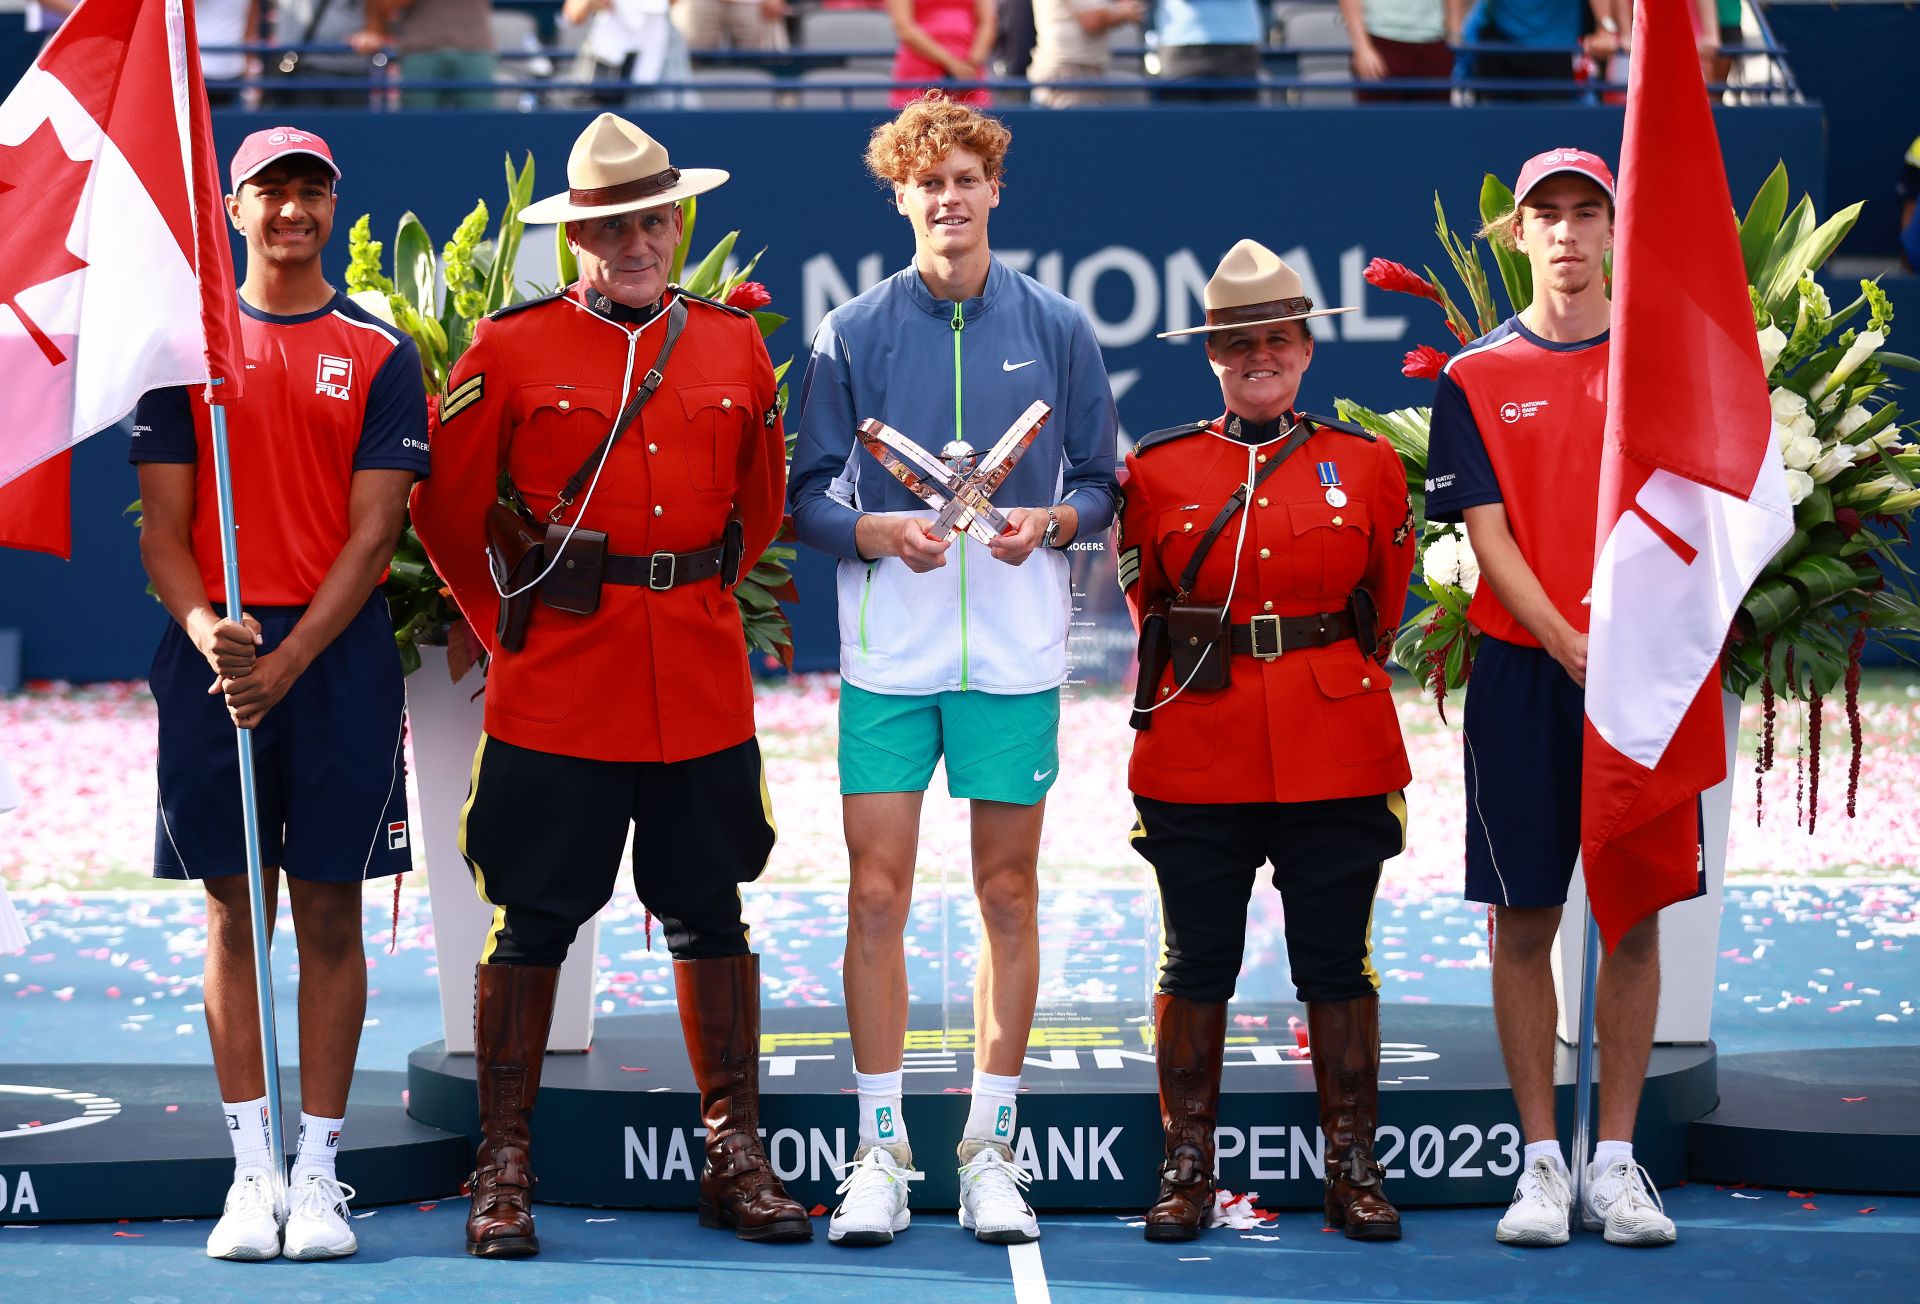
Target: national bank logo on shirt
{"points": [[1512, 412], [335, 376]]}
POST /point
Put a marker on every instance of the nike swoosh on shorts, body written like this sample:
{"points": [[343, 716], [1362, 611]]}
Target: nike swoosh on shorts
{"points": [[1040, 776]]}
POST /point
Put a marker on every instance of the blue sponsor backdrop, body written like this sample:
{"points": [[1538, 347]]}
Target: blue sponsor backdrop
{"points": [[1127, 211]]}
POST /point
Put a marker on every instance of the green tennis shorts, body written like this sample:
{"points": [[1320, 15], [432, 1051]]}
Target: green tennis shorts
{"points": [[999, 746]]}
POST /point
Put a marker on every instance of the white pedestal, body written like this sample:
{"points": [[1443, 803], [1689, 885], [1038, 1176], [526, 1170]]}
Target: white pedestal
{"points": [[1689, 932], [445, 718]]}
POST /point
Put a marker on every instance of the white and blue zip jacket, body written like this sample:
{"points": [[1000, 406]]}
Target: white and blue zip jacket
{"points": [[938, 371]]}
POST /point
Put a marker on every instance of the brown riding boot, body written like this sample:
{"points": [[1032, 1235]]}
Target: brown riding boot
{"points": [[1189, 1039], [512, 1011], [1344, 1037], [720, 1018]]}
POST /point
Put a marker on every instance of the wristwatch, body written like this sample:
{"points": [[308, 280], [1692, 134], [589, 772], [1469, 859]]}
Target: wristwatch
{"points": [[1052, 532]]}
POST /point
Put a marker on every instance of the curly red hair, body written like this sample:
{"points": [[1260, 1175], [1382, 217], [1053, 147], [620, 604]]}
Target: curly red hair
{"points": [[928, 130]]}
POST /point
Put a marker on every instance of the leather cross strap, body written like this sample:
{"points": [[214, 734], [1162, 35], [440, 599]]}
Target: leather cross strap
{"points": [[1267, 637], [1298, 436], [676, 322], [664, 570]]}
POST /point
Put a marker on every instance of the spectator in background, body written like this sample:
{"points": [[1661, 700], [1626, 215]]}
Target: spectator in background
{"points": [[47, 15], [941, 40], [1072, 44], [1200, 41], [298, 23], [628, 43], [1726, 17], [1908, 190], [733, 24], [1403, 38], [1544, 34], [438, 40], [1013, 37], [220, 23]]}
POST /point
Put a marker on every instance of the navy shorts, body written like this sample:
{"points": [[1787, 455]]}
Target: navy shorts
{"points": [[329, 774], [1525, 726]]}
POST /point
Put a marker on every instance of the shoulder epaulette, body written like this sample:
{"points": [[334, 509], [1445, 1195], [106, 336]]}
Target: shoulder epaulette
{"points": [[1170, 434], [524, 304], [1344, 427], [685, 293]]}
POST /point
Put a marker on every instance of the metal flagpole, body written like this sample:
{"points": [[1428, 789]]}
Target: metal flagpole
{"points": [[249, 809], [1583, 1097]]}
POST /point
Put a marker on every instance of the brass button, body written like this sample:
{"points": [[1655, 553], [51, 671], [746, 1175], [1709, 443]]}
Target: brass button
{"points": [[659, 511], [1266, 606], [1187, 526], [1193, 640], [565, 404], [1265, 553], [1338, 521], [653, 448], [726, 402], [1260, 458], [1263, 502], [1366, 681], [569, 563], [1165, 691]]}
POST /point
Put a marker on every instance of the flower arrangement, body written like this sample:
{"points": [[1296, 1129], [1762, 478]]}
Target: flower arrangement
{"points": [[1838, 583], [477, 274]]}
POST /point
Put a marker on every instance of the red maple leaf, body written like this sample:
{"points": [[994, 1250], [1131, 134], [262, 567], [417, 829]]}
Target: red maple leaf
{"points": [[39, 193]]}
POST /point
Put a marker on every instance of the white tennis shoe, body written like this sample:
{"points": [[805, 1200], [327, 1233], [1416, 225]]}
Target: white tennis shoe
{"points": [[875, 1207], [317, 1226], [991, 1206], [1622, 1202], [249, 1226], [1542, 1207]]}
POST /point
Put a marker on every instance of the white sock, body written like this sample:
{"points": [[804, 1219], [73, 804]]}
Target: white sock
{"points": [[1544, 1150], [995, 1109], [319, 1143], [1609, 1153], [881, 1121], [247, 1129]]}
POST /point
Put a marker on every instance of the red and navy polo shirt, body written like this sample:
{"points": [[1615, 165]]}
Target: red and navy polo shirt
{"points": [[1518, 420], [327, 393]]}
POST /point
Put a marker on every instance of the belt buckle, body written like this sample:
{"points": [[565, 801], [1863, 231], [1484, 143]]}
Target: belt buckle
{"points": [[1271, 623], [654, 581]]}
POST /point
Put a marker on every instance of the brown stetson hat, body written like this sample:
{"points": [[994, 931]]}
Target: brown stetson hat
{"points": [[1252, 287], [616, 168]]}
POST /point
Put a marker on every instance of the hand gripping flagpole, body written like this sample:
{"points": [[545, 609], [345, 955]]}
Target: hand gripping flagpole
{"points": [[249, 807], [1583, 1090]]}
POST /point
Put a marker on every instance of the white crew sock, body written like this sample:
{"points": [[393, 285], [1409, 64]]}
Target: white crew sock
{"points": [[247, 1129], [1544, 1150], [881, 1121], [995, 1110], [319, 1143], [1609, 1153]]}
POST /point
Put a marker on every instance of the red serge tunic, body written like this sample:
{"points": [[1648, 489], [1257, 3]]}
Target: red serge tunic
{"points": [[1313, 723], [650, 676]]}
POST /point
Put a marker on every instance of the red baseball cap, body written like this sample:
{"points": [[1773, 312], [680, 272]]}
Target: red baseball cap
{"points": [[1565, 159], [274, 144]]}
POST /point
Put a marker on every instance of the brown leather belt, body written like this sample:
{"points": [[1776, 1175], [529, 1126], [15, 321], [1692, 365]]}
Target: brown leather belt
{"points": [[664, 570], [1267, 637]]}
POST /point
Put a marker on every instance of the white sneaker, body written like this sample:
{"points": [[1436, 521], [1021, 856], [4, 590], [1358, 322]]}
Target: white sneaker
{"points": [[876, 1203], [1542, 1207], [991, 1206], [1623, 1202], [249, 1227], [317, 1226]]}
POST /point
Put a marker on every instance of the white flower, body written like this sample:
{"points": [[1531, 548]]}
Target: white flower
{"points": [[1888, 438], [1773, 341], [1441, 565], [1469, 566], [1801, 427], [1865, 344], [375, 302], [1833, 462], [1830, 402], [1799, 485], [1851, 420], [1799, 451], [1786, 405]]}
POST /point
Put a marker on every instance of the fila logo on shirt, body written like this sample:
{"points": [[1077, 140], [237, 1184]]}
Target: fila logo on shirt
{"points": [[1512, 412], [335, 375], [396, 835]]}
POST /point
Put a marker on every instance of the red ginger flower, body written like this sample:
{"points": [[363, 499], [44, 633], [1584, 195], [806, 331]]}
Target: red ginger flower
{"points": [[1384, 274], [1424, 363], [749, 295]]}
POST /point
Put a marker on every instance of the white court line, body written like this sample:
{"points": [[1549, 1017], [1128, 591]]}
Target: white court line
{"points": [[1029, 1274]]}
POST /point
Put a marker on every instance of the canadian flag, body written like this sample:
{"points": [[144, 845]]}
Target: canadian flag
{"points": [[1693, 496], [117, 277]]}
